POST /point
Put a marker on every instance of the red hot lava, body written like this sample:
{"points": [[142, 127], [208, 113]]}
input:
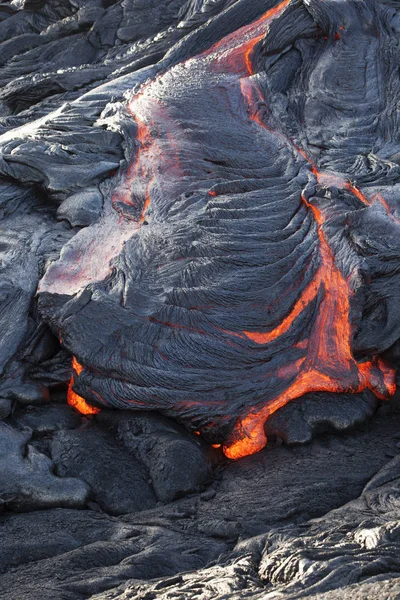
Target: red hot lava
{"points": [[328, 364], [74, 399]]}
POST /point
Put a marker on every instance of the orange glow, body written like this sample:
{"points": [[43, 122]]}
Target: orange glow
{"points": [[306, 297], [145, 207], [248, 48], [327, 178], [249, 436], [137, 173], [77, 367], [248, 53], [235, 50], [74, 399], [252, 95], [329, 365], [290, 370], [383, 202], [357, 193], [386, 206], [302, 345]]}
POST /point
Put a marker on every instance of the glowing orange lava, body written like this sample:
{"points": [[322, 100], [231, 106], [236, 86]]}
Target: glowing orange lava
{"points": [[386, 206], [74, 399], [329, 364], [136, 174], [236, 50]]}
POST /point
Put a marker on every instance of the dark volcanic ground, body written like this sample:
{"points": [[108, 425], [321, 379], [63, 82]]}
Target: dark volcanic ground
{"points": [[315, 521], [166, 196]]}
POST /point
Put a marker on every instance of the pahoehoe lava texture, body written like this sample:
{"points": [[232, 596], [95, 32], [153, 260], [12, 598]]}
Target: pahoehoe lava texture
{"points": [[200, 235], [249, 250]]}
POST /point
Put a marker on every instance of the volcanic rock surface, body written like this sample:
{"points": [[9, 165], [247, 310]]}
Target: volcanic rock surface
{"points": [[199, 253]]}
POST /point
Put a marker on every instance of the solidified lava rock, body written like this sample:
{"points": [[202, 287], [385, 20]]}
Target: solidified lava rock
{"points": [[248, 252], [244, 253], [26, 478], [200, 235]]}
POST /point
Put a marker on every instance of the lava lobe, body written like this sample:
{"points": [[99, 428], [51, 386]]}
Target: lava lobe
{"points": [[222, 280]]}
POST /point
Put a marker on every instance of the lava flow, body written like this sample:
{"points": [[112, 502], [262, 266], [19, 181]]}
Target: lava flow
{"points": [[138, 179], [234, 52], [329, 364], [74, 399], [135, 174]]}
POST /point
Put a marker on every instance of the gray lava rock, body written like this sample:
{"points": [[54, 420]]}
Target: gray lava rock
{"points": [[27, 481], [315, 413], [177, 467], [351, 552], [248, 161], [268, 497], [48, 418], [82, 554], [119, 482], [83, 208], [177, 461], [5, 407]]}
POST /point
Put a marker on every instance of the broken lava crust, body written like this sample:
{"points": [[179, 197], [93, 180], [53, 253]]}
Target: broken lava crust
{"points": [[199, 255]]}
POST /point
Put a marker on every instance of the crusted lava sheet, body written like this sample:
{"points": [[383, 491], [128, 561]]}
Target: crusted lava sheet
{"points": [[248, 252], [199, 250]]}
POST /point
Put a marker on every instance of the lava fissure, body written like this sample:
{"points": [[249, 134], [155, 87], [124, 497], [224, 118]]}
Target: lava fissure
{"points": [[74, 399]]}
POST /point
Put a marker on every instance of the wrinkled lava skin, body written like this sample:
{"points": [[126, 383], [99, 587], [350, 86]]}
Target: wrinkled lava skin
{"points": [[249, 253]]}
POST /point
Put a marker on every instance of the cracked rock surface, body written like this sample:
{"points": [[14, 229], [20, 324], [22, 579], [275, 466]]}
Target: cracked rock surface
{"points": [[199, 222], [308, 521]]}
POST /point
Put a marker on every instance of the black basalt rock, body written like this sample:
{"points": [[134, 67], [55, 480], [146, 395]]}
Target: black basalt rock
{"points": [[199, 254]]}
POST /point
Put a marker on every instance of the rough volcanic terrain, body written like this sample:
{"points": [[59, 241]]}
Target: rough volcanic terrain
{"points": [[200, 299]]}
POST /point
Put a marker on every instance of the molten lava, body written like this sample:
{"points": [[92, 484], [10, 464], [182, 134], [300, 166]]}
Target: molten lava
{"points": [[234, 52], [329, 364], [136, 174], [74, 399], [138, 179]]}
